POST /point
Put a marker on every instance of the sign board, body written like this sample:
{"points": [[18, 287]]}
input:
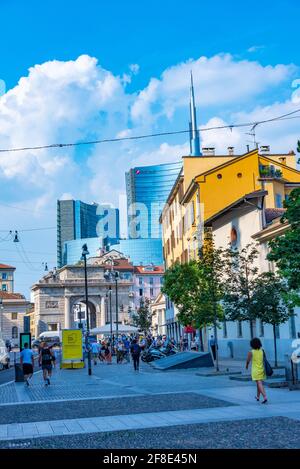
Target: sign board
{"points": [[25, 337], [72, 344], [26, 325]]}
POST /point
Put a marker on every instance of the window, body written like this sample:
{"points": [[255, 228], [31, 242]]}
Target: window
{"points": [[292, 325], [151, 292], [14, 332], [141, 292], [151, 280], [261, 329], [239, 329], [233, 236], [140, 280], [14, 316], [4, 276], [224, 329], [278, 200], [53, 327], [4, 287]]}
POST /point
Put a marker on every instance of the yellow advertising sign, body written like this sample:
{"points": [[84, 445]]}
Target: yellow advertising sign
{"points": [[72, 344]]}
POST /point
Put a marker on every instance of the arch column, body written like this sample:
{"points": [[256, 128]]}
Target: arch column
{"points": [[67, 312], [102, 311]]}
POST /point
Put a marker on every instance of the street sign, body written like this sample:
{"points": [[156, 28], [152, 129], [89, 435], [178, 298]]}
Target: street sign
{"points": [[25, 337], [72, 344]]}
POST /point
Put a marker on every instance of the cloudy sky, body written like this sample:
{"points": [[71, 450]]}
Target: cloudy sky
{"points": [[88, 71]]}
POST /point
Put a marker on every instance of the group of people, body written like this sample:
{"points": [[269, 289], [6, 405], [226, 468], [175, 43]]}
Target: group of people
{"points": [[122, 348], [125, 346]]}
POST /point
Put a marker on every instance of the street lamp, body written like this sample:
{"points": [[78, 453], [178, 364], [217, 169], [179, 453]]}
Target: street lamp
{"points": [[85, 253], [114, 275], [110, 319], [1, 310]]}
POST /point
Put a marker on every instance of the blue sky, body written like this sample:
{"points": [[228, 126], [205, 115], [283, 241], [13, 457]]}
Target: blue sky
{"points": [[75, 70]]}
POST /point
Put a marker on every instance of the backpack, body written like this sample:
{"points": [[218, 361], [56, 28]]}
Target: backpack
{"points": [[135, 349]]}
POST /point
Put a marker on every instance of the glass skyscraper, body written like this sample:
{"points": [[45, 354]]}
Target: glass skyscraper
{"points": [[147, 189], [79, 220]]}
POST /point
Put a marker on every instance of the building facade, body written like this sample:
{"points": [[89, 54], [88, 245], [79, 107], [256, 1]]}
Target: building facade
{"points": [[78, 220], [148, 280], [13, 306], [210, 183], [138, 251], [7, 278], [58, 293], [158, 311], [147, 189]]}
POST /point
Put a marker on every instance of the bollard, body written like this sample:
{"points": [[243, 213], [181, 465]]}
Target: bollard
{"points": [[19, 376]]}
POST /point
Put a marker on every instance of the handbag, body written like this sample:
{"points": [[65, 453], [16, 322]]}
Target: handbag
{"points": [[268, 368]]}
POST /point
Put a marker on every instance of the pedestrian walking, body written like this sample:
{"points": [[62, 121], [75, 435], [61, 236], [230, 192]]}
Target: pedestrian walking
{"points": [[107, 354], [258, 373], [27, 363], [120, 351], [212, 344], [45, 361], [95, 352], [135, 353], [193, 345]]}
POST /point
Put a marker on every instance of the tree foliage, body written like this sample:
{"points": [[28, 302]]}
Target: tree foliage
{"points": [[240, 282], [195, 288], [143, 318], [285, 249]]}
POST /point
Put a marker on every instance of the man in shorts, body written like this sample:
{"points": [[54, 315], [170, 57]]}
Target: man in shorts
{"points": [[45, 361], [27, 362]]}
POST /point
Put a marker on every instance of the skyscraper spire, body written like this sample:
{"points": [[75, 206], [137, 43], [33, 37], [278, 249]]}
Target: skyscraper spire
{"points": [[194, 133]]}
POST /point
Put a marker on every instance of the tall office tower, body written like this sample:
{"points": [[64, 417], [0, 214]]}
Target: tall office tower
{"points": [[147, 189], [79, 220]]}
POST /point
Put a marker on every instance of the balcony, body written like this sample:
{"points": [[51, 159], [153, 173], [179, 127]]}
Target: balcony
{"points": [[270, 172]]}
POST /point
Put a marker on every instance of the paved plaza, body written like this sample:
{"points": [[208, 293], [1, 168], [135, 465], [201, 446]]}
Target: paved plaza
{"points": [[117, 407]]}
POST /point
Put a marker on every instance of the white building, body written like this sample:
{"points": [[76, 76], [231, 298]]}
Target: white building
{"points": [[244, 222]]}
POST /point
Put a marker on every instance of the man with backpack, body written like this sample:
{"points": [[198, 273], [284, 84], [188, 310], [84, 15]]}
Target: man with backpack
{"points": [[46, 359], [135, 353]]}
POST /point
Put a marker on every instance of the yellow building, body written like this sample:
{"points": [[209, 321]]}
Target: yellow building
{"points": [[207, 184]]}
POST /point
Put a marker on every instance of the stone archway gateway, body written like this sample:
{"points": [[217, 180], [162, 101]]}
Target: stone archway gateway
{"points": [[57, 292]]}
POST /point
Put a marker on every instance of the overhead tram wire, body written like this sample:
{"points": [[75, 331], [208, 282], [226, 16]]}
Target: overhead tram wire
{"points": [[159, 134]]}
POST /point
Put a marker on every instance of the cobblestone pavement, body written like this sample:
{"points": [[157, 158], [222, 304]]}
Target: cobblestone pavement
{"points": [[269, 433], [131, 407], [103, 407]]}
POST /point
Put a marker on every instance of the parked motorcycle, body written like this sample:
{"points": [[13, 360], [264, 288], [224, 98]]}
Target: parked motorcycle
{"points": [[155, 353]]}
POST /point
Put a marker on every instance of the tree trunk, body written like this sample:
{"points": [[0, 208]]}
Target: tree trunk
{"points": [[251, 329], [201, 340], [275, 346], [216, 344]]}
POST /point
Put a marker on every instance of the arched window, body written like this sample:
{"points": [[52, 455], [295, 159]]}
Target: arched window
{"points": [[14, 332]]}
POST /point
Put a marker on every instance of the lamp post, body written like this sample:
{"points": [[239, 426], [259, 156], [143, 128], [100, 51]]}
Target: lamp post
{"points": [[114, 275], [85, 253], [1, 312], [110, 320]]}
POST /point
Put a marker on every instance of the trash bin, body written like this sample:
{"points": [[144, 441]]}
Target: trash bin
{"points": [[19, 377]]}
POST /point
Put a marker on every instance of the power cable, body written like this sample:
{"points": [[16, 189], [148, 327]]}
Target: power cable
{"points": [[159, 134]]}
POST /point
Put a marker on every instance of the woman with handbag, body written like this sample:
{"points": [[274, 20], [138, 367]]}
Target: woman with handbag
{"points": [[258, 372]]}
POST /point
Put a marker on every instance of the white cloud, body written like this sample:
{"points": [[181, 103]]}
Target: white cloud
{"points": [[79, 100], [219, 81], [253, 49]]}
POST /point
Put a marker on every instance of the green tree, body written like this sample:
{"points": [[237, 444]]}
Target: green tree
{"points": [[143, 318], [196, 288], [271, 302], [240, 281], [285, 249], [211, 286]]}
